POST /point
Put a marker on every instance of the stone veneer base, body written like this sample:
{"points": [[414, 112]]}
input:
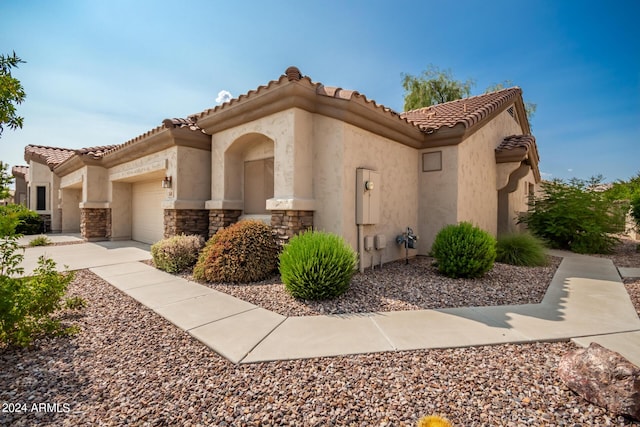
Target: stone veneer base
{"points": [[95, 223], [186, 221]]}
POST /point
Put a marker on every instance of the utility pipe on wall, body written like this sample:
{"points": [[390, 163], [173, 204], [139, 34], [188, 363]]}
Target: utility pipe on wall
{"points": [[361, 247]]}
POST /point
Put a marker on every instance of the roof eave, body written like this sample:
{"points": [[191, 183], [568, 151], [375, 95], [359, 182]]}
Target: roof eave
{"points": [[284, 95]]}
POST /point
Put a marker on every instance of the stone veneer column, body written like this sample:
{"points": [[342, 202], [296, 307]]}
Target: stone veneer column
{"points": [[95, 223], [220, 218], [286, 224], [186, 221]]}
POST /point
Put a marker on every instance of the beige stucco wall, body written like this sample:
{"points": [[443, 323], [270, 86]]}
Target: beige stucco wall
{"points": [[69, 206], [120, 204], [438, 196], [191, 176], [20, 193], [289, 135], [477, 194], [40, 176], [518, 200], [338, 150]]}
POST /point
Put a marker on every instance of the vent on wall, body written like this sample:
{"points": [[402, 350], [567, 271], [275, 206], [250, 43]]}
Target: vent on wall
{"points": [[512, 112]]}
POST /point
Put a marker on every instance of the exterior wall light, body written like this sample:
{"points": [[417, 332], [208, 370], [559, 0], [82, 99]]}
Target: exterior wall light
{"points": [[368, 185], [166, 182]]}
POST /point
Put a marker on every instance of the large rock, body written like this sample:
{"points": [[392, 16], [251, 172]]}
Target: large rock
{"points": [[603, 377]]}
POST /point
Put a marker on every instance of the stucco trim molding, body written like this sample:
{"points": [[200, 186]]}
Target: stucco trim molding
{"points": [[94, 205], [224, 204], [158, 165], [181, 204], [291, 204]]}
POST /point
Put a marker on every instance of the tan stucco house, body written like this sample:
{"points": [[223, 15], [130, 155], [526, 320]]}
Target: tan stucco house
{"points": [[297, 154]]}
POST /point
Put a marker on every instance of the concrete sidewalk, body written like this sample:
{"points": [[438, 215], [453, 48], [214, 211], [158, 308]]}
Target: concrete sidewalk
{"points": [[586, 301], [85, 255]]}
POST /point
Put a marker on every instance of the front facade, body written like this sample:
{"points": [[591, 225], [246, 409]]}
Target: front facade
{"points": [[297, 154]]}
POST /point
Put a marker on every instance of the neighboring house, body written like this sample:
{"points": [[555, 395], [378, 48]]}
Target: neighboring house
{"points": [[21, 180], [297, 154]]}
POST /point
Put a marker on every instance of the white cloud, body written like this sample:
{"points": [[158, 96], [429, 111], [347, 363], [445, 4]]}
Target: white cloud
{"points": [[223, 96], [546, 175], [569, 170]]}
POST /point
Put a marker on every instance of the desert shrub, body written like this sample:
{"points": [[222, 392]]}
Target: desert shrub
{"points": [[177, 253], [243, 252], [520, 249], [27, 304], [464, 250], [635, 210], [40, 241], [573, 216], [433, 421], [316, 265], [75, 303], [28, 222]]}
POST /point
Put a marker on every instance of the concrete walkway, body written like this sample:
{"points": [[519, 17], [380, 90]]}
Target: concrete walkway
{"points": [[586, 301]]}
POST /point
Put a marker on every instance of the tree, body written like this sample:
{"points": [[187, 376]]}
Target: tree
{"points": [[570, 215], [529, 107], [5, 180], [11, 93], [433, 86]]}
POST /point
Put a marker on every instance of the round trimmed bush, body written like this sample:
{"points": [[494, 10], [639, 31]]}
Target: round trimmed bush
{"points": [[244, 252], [316, 265], [176, 253], [464, 250]]}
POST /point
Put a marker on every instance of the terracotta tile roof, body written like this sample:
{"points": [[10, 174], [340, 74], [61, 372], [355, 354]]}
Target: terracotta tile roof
{"points": [[180, 123], [518, 148], [175, 123], [50, 156], [95, 152], [513, 142], [21, 171], [466, 111], [293, 74]]}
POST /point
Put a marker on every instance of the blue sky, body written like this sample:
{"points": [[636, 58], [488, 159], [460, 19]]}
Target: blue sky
{"points": [[103, 72]]}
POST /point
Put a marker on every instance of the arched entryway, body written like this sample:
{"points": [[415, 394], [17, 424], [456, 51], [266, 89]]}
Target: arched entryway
{"points": [[249, 172]]}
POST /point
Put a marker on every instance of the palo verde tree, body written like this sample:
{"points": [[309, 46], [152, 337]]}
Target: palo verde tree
{"points": [[11, 93], [433, 86]]}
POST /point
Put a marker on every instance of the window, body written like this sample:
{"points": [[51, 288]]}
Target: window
{"points": [[41, 201]]}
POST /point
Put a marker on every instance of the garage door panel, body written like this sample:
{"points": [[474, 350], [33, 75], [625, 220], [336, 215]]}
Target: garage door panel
{"points": [[147, 224]]}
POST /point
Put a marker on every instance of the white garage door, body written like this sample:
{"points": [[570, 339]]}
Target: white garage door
{"points": [[147, 223]]}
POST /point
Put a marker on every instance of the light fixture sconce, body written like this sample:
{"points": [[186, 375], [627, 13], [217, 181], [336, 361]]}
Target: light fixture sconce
{"points": [[166, 182], [368, 185]]}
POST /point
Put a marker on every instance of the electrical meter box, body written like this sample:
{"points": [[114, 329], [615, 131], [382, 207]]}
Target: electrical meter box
{"points": [[367, 196]]}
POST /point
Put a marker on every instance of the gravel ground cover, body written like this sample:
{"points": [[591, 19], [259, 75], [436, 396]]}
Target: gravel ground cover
{"points": [[129, 366], [415, 286]]}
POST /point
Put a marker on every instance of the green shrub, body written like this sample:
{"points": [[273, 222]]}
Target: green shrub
{"points": [[520, 249], [40, 241], [316, 265], [27, 304], [75, 303], [176, 253], [464, 250], [573, 216], [28, 222], [244, 252], [635, 210]]}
